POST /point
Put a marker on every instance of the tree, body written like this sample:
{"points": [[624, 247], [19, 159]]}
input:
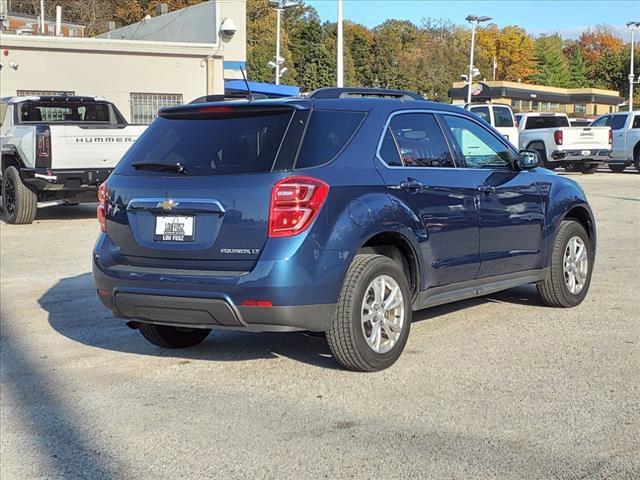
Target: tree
{"points": [[552, 67], [310, 56], [577, 66]]}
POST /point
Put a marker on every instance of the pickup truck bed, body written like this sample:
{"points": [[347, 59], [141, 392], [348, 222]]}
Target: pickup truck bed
{"points": [[58, 150]]}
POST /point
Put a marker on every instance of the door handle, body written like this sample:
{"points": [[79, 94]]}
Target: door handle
{"points": [[487, 189], [410, 185]]}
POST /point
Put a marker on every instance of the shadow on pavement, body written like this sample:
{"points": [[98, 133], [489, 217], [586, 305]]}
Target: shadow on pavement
{"points": [[62, 212], [76, 312], [58, 430]]}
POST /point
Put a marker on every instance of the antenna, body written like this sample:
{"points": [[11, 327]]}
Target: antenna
{"points": [[244, 77]]}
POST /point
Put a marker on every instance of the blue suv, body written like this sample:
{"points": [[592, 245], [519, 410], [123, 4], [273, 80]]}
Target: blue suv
{"points": [[341, 213]]}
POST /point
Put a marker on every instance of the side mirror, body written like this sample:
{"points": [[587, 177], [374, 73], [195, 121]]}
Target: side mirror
{"points": [[527, 159]]}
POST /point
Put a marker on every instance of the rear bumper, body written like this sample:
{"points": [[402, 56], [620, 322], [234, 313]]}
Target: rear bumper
{"points": [[75, 180], [580, 156], [302, 299], [217, 312]]}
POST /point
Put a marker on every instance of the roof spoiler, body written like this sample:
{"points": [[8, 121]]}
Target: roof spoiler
{"points": [[354, 92]]}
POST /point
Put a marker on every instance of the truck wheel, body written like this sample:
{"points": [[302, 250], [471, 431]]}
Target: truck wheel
{"points": [[18, 202], [617, 167], [173, 337], [373, 315], [543, 159], [571, 266], [589, 168], [636, 159]]}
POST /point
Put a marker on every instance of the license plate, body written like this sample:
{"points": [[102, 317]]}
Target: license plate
{"points": [[174, 229], [585, 152]]}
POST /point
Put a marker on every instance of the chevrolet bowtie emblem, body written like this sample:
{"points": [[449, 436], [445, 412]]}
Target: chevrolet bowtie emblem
{"points": [[167, 204]]}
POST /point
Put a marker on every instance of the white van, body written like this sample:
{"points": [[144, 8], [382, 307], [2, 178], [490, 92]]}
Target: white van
{"points": [[498, 116]]}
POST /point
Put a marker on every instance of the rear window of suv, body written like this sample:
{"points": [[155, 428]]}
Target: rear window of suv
{"points": [[209, 146], [64, 112], [327, 134]]}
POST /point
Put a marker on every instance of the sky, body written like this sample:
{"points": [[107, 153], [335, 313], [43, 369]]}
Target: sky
{"points": [[566, 17]]}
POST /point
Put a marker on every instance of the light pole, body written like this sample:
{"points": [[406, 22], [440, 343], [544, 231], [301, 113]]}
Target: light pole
{"points": [[633, 26], [279, 5], [474, 20], [340, 49]]}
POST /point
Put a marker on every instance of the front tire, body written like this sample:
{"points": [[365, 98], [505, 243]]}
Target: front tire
{"points": [[636, 159], [18, 202], [373, 315], [571, 266], [173, 337]]}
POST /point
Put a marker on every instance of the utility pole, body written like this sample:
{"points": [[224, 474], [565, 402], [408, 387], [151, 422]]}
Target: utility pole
{"points": [[633, 26], [41, 17], [474, 20]]}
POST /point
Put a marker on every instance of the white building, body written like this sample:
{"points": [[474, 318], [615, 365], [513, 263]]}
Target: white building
{"points": [[161, 65]]}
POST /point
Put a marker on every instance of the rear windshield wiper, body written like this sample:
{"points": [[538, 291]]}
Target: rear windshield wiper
{"points": [[172, 167]]}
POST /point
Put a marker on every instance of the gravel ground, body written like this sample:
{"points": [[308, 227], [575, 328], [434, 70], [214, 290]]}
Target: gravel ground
{"points": [[498, 387]]}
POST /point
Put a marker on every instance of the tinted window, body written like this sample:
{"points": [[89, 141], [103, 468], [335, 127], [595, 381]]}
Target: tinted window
{"points": [[483, 113], [503, 117], [636, 122], [328, 132], [389, 150], [479, 147], [546, 122], [61, 112], [209, 146], [420, 141], [618, 121]]}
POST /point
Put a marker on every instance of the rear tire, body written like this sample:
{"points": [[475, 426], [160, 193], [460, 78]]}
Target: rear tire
{"points": [[173, 337], [18, 202], [542, 154], [636, 159], [589, 169], [555, 290], [617, 167], [572, 167], [374, 340]]}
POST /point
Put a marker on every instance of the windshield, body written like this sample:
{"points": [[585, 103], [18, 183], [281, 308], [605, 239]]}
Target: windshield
{"points": [[209, 146]]}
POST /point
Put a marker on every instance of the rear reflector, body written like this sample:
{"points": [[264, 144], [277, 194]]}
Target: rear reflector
{"points": [[295, 202], [101, 212], [610, 137], [257, 303]]}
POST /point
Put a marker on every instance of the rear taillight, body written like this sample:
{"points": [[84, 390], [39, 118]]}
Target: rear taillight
{"points": [[610, 137], [295, 202], [557, 136], [102, 206], [43, 143]]}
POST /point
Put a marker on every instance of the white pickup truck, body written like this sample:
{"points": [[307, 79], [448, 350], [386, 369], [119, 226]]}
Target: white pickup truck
{"points": [[560, 145], [625, 149], [58, 150]]}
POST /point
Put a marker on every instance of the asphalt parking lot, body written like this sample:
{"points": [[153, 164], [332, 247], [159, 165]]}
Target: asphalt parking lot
{"points": [[498, 387]]}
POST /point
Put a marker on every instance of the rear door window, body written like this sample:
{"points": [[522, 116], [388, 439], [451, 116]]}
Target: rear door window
{"points": [[327, 134], [636, 122], [209, 146], [502, 117], [618, 121], [416, 140]]}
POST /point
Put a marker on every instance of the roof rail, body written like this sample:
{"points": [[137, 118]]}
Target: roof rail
{"points": [[355, 92]]}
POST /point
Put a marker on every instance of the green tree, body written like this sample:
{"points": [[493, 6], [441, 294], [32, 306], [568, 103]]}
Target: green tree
{"points": [[577, 67], [552, 66], [311, 59]]}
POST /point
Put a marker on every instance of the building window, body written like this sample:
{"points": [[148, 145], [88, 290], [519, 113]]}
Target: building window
{"points": [[581, 109], [145, 106], [73, 32]]}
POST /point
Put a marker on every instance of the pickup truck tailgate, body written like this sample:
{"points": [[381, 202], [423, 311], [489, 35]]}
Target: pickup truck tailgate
{"points": [[87, 148], [591, 138]]}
